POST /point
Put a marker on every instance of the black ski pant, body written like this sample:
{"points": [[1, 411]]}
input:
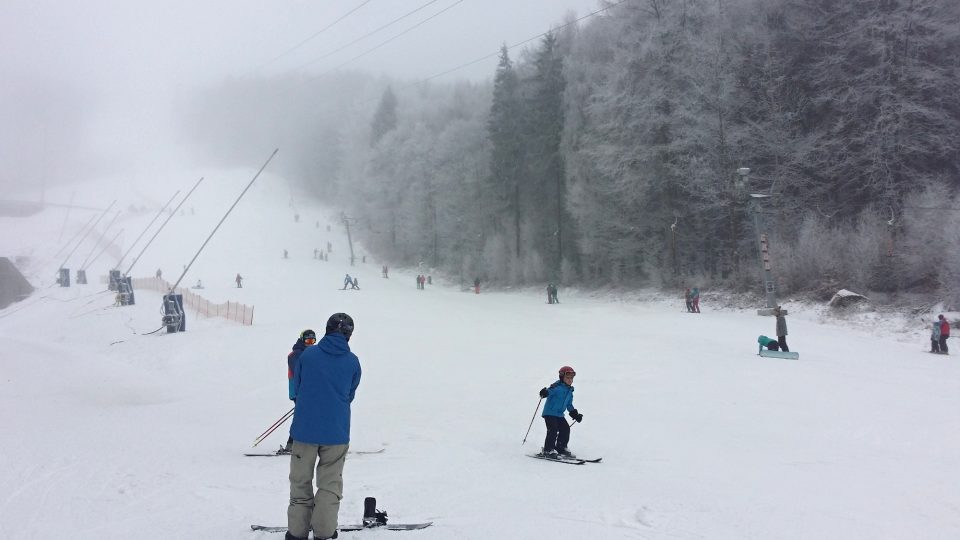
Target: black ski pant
{"points": [[782, 340], [558, 433], [943, 343]]}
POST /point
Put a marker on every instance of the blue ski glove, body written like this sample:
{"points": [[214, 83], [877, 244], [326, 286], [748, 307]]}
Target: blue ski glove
{"points": [[544, 392]]}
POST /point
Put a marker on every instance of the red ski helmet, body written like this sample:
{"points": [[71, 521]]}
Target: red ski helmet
{"points": [[566, 369]]}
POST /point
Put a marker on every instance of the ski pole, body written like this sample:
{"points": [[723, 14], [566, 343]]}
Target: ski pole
{"points": [[273, 426], [531, 421]]}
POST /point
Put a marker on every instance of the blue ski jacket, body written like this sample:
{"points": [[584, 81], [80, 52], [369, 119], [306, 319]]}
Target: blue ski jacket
{"points": [[560, 399], [292, 358], [328, 375]]}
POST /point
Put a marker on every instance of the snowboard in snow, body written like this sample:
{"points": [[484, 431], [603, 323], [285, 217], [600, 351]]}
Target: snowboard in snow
{"points": [[356, 527], [787, 355]]}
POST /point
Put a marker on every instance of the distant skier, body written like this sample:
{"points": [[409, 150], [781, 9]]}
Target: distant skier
{"points": [[695, 299], [935, 337], [239, 280], [549, 293], [944, 333], [688, 299], [770, 343], [159, 273], [355, 284], [476, 286], [347, 282], [307, 338], [781, 328], [285, 254], [385, 271], [559, 399]]}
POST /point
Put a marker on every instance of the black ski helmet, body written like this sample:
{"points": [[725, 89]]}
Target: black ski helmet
{"points": [[308, 334], [342, 323]]}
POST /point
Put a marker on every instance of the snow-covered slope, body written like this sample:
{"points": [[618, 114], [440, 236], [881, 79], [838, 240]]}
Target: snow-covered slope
{"points": [[111, 433]]}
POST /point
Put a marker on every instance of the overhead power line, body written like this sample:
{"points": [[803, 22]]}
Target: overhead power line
{"points": [[368, 34], [322, 30], [524, 42], [381, 44]]}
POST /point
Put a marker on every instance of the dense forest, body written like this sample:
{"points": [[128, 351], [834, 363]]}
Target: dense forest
{"points": [[652, 144]]}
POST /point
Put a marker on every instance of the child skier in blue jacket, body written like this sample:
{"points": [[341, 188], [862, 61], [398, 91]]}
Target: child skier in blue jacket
{"points": [[307, 338], [559, 399]]}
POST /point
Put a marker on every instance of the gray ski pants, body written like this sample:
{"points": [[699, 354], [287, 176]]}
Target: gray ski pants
{"points": [[309, 510]]}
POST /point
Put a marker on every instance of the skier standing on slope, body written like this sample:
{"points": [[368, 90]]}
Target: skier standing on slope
{"points": [[328, 375], [307, 338], [559, 399], [781, 328]]}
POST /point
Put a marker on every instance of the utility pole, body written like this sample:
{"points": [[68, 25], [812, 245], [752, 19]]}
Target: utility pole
{"points": [[346, 223], [763, 244]]}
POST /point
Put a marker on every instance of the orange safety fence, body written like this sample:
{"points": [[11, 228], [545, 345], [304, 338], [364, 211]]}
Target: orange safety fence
{"points": [[233, 311]]}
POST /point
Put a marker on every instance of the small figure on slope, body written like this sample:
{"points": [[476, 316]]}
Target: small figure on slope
{"points": [[944, 333], [559, 397], [781, 328], [770, 343], [935, 337], [695, 299]]}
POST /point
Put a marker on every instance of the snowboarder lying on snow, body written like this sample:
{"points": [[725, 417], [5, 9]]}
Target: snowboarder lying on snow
{"points": [[770, 343], [559, 398]]}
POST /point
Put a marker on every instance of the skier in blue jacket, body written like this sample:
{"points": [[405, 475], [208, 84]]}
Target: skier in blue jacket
{"points": [[328, 375], [559, 399], [307, 338]]}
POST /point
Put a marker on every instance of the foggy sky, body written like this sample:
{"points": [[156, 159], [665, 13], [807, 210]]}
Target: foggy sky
{"points": [[87, 87]]}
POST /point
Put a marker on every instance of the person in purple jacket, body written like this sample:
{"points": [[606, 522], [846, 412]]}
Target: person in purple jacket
{"points": [[327, 376]]}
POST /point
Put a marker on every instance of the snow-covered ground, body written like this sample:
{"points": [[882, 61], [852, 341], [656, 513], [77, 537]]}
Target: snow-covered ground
{"points": [[112, 433]]}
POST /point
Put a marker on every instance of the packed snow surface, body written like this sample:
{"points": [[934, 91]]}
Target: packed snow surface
{"points": [[112, 432]]}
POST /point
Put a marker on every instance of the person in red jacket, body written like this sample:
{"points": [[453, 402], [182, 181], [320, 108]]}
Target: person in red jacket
{"points": [[944, 333]]}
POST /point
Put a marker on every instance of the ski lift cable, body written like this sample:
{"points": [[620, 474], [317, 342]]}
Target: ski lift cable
{"points": [[368, 34], [322, 30], [382, 43], [515, 45]]}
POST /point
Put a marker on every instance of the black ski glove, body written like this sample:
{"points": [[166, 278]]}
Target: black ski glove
{"points": [[576, 415], [544, 392]]}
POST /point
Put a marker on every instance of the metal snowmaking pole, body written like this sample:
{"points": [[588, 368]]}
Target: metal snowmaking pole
{"points": [[87, 233], [79, 231], [173, 303], [97, 243], [66, 218], [105, 246], [162, 225], [145, 229]]}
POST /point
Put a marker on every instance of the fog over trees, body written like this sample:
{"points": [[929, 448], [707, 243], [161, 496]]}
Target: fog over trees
{"points": [[607, 152]]}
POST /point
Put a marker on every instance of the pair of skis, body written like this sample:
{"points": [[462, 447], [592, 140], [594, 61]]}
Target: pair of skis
{"points": [[567, 460], [282, 452]]}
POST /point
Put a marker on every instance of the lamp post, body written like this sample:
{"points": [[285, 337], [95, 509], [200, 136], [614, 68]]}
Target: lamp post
{"points": [[763, 247]]}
